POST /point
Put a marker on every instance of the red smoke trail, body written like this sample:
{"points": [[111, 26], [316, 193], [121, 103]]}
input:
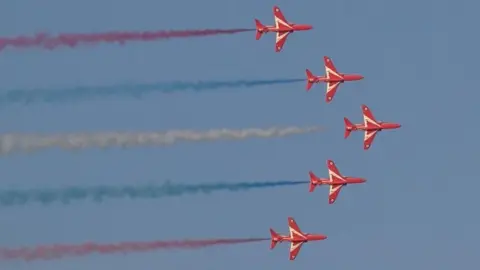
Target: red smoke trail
{"points": [[71, 40], [59, 251]]}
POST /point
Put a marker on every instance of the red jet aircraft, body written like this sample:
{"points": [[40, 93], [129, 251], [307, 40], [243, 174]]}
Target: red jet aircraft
{"points": [[282, 27], [370, 125], [332, 77], [336, 181], [296, 238]]}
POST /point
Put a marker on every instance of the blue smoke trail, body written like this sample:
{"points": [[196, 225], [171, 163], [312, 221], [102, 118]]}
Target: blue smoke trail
{"points": [[100, 193], [19, 96]]}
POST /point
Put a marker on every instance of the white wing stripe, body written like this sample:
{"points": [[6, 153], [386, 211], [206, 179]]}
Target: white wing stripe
{"points": [[329, 71], [367, 120], [283, 23], [295, 245], [330, 86], [294, 233], [332, 174], [369, 134], [281, 36], [334, 189]]}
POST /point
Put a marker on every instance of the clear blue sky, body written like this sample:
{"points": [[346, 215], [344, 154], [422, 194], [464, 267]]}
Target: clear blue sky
{"points": [[419, 58]]}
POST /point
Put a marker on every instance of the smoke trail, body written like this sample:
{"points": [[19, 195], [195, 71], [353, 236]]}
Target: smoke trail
{"points": [[44, 40], [11, 143], [135, 90], [59, 251], [100, 193]]}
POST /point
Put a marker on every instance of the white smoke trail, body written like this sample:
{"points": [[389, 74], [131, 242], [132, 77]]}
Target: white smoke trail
{"points": [[11, 143]]}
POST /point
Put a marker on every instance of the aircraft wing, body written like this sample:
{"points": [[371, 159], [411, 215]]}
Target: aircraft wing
{"points": [[368, 118], [333, 194], [280, 22], [295, 249], [369, 137], [280, 40], [294, 229], [333, 172], [330, 69], [331, 90]]}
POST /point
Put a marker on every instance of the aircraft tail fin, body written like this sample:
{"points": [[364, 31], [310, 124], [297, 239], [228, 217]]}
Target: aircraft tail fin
{"points": [[310, 79], [313, 181], [274, 237], [348, 127], [259, 26]]}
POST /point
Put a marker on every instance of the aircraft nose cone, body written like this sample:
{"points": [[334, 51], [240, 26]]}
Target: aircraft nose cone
{"points": [[364, 180]]}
